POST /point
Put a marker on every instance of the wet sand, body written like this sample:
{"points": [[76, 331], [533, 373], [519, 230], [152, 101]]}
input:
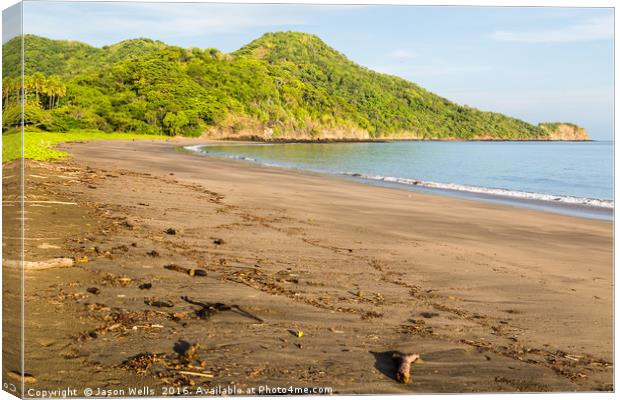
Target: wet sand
{"points": [[494, 298]]}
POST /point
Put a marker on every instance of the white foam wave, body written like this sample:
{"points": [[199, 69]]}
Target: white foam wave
{"points": [[489, 191], [199, 148], [582, 201]]}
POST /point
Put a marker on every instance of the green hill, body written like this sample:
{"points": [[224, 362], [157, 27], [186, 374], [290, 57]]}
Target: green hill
{"points": [[284, 85]]}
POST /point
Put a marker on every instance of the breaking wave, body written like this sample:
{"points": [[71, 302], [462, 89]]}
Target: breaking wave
{"points": [[489, 191], [508, 193]]}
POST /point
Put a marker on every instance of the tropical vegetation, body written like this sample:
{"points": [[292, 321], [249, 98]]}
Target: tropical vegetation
{"points": [[40, 145], [281, 85]]}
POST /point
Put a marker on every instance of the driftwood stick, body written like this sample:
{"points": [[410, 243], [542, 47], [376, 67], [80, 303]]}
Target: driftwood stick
{"points": [[69, 203], [209, 309], [403, 362], [188, 271], [174, 267], [247, 314], [39, 265], [196, 303], [192, 373]]}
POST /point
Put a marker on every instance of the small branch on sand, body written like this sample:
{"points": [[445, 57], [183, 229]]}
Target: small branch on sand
{"points": [[69, 203], [192, 373], [188, 271], [63, 262], [208, 309], [403, 362]]}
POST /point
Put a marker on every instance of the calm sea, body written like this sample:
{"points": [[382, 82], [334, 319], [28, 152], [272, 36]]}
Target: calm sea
{"points": [[576, 175]]}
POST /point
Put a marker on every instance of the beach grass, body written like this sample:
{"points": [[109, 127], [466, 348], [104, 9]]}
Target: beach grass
{"points": [[39, 145]]}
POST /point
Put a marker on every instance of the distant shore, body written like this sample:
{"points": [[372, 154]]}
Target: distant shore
{"points": [[332, 276], [260, 139]]}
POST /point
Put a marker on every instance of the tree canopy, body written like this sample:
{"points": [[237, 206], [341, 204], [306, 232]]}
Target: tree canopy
{"points": [[285, 83]]}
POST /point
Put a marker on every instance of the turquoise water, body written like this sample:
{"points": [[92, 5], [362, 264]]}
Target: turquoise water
{"points": [[576, 173]]}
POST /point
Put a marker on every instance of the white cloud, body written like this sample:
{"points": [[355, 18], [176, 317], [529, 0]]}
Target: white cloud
{"points": [[600, 28], [402, 54], [96, 22]]}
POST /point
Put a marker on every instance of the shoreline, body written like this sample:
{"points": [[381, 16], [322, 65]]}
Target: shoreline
{"points": [[569, 206], [260, 139], [494, 298]]}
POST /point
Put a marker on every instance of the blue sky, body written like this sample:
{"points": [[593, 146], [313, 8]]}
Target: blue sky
{"points": [[534, 63]]}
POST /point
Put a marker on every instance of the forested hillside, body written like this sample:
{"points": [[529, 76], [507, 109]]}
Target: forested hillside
{"points": [[282, 85]]}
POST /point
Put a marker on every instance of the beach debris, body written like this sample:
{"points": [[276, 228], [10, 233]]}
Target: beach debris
{"points": [[178, 371], [171, 231], [123, 322], [573, 357], [195, 373], [158, 303], [418, 327], [177, 316], [185, 350], [115, 280], [128, 224], [98, 250], [218, 241], [82, 260], [46, 246], [45, 342], [209, 309], [370, 315], [124, 280], [188, 271], [403, 365], [145, 286], [26, 377], [93, 290], [296, 333], [146, 326], [427, 314], [122, 248], [174, 267], [152, 253], [141, 362]]}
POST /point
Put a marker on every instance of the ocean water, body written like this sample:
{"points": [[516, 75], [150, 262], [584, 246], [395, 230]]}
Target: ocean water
{"points": [[568, 173]]}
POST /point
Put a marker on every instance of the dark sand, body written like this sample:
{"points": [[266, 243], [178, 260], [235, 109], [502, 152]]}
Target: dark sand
{"points": [[493, 298]]}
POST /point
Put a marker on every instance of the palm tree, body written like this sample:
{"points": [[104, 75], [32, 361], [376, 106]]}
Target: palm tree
{"points": [[55, 90], [50, 91], [17, 88], [38, 80], [28, 84], [61, 91], [7, 89]]}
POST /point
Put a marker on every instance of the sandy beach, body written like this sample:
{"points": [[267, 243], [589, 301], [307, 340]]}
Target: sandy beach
{"points": [[494, 298]]}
